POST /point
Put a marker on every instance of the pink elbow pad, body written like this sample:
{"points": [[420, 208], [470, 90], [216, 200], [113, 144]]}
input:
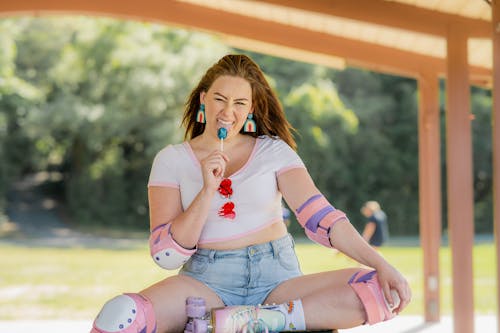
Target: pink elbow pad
{"points": [[165, 251], [317, 217]]}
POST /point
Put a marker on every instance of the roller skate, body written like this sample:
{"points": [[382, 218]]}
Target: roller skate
{"points": [[198, 317], [237, 319]]}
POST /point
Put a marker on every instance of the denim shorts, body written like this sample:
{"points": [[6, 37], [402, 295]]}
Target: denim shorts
{"points": [[245, 276]]}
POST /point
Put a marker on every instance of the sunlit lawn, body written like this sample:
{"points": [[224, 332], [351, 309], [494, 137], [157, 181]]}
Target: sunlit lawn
{"points": [[48, 283]]}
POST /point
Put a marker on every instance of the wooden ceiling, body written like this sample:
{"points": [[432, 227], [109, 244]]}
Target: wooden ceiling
{"points": [[402, 37], [414, 31]]}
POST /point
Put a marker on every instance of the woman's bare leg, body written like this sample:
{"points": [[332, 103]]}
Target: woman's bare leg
{"points": [[169, 301], [327, 299]]}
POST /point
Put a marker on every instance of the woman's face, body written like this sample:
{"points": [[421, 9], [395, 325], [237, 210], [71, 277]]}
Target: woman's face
{"points": [[227, 103]]}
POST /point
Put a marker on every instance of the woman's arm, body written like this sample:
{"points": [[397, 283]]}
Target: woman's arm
{"points": [[297, 187], [165, 207], [165, 203]]}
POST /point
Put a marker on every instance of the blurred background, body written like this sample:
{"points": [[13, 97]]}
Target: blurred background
{"points": [[85, 104]]}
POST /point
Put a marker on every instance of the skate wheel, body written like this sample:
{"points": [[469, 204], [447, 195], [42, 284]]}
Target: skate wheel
{"points": [[195, 310], [200, 326], [189, 326]]}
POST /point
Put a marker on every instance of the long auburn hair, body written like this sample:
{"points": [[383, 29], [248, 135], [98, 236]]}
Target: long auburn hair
{"points": [[268, 112]]}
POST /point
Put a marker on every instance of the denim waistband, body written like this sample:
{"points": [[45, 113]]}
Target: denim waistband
{"points": [[273, 247]]}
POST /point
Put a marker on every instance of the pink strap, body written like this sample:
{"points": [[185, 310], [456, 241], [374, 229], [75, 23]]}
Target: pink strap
{"points": [[369, 291], [313, 210], [310, 208], [369, 301], [322, 235], [145, 305], [161, 238]]}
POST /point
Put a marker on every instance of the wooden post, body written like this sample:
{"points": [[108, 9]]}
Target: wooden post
{"points": [[429, 160], [459, 176], [495, 116]]}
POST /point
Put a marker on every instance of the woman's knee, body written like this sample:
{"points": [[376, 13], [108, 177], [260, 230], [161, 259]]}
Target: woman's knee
{"points": [[127, 313]]}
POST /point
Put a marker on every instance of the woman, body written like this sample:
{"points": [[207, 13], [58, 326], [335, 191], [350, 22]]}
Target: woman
{"points": [[215, 210]]}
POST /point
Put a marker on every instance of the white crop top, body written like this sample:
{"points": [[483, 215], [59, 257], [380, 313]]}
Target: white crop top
{"points": [[255, 196]]}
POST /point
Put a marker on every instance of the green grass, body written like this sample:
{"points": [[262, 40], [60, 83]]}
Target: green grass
{"points": [[50, 283]]}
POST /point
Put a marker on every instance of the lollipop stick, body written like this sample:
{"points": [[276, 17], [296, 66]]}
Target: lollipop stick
{"points": [[222, 133]]}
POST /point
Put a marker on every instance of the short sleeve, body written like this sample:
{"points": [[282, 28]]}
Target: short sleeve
{"points": [[286, 157], [163, 171]]}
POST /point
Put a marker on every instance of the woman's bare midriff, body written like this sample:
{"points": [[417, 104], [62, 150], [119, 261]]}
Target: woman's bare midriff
{"points": [[273, 232]]}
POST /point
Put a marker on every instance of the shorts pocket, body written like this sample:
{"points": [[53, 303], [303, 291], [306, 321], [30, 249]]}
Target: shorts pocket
{"points": [[196, 264], [288, 259]]}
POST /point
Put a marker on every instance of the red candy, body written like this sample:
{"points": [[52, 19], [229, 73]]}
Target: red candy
{"points": [[226, 190], [227, 210], [225, 187]]}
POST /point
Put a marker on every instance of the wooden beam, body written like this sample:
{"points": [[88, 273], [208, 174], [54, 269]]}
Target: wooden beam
{"points": [[429, 166], [356, 53], [391, 14], [459, 176], [495, 116], [285, 52]]}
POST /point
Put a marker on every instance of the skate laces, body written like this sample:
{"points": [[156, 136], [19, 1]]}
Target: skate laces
{"points": [[247, 321]]}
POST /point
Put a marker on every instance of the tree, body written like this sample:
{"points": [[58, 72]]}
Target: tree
{"points": [[481, 106], [325, 127], [112, 96], [384, 154], [16, 97]]}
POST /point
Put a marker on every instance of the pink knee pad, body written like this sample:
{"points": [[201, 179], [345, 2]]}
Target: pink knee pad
{"points": [[127, 313], [369, 291]]}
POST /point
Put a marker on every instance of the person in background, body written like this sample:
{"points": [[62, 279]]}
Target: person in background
{"points": [[376, 231], [286, 216]]}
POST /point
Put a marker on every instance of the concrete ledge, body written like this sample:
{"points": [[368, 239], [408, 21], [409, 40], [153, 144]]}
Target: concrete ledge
{"points": [[401, 324]]}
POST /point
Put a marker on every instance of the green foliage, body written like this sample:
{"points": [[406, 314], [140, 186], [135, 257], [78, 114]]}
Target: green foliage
{"points": [[110, 95], [325, 127], [95, 99], [16, 97], [383, 157], [284, 74], [482, 153]]}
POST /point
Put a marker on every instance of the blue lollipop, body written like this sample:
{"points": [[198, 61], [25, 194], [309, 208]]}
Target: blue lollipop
{"points": [[222, 134]]}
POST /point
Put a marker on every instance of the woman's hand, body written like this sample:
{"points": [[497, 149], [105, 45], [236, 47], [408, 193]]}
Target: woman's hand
{"points": [[213, 168], [390, 278]]}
